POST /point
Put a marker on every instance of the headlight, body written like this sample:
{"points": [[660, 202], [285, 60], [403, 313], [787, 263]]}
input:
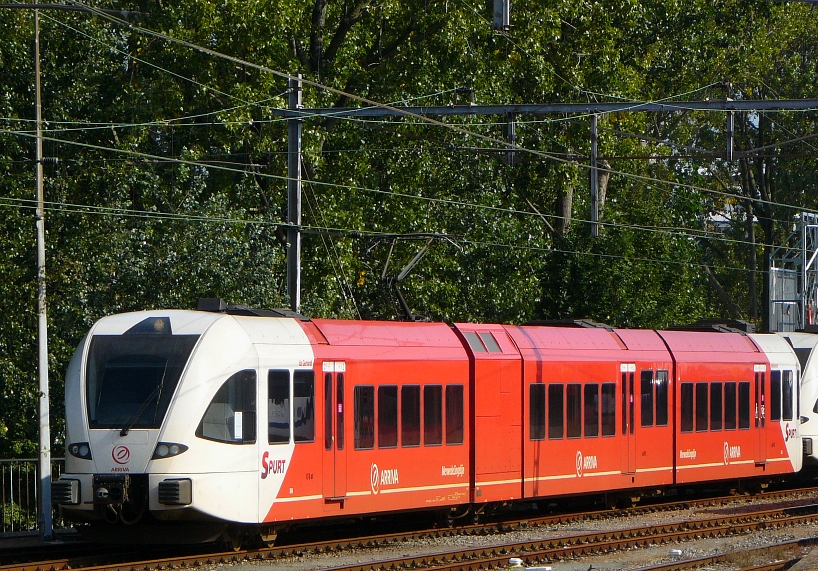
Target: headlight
{"points": [[167, 449], [80, 450]]}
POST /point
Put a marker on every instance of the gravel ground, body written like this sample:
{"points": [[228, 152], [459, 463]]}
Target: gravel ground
{"points": [[625, 560]]}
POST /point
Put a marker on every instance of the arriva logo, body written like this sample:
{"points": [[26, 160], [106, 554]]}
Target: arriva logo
{"points": [[731, 453], [121, 454], [379, 478], [585, 463]]}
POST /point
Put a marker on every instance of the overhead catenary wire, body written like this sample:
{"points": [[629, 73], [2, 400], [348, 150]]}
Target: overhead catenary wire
{"points": [[309, 229], [158, 158]]}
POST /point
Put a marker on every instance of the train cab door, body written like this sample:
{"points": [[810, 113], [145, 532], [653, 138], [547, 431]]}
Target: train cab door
{"points": [[760, 413], [627, 453], [334, 455]]}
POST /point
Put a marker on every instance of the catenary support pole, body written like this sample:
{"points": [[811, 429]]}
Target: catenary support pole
{"points": [[294, 125], [594, 179], [44, 466]]}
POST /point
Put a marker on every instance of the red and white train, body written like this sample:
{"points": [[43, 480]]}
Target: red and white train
{"points": [[239, 420]]}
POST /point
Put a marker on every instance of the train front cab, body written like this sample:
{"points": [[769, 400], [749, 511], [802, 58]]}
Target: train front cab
{"points": [[734, 408]]}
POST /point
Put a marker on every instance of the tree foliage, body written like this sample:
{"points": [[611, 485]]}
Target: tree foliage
{"points": [[172, 176]]}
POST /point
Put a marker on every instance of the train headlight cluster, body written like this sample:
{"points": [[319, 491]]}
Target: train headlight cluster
{"points": [[80, 450], [167, 450]]}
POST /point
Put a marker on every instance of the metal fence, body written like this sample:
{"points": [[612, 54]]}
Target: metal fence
{"points": [[18, 486]]}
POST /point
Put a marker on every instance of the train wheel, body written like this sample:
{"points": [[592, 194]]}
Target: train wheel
{"points": [[232, 539]]}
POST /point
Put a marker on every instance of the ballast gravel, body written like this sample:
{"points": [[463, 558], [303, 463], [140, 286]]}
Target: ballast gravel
{"points": [[631, 559]]}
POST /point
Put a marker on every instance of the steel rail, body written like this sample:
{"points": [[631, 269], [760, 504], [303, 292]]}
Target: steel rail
{"points": [[491, 556]]}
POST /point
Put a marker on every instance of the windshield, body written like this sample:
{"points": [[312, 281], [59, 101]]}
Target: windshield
{"points": [[130, 379]]}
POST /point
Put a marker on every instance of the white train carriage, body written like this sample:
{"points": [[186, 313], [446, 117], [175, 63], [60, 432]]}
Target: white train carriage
{"points": [[145, 383]]}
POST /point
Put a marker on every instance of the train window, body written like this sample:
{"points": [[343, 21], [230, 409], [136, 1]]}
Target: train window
{"points": [[339, 416], [490, 342], [364, 417], [410, 415], [474, 342], [661, 398], [775, 395], [432, 415], [687, 407], [715, 406], [646, 378], [278, 407], [130, 380], [608, 409], [591, 412], [555, 414], [624, 403], [744, 404], [701, 407], [387, 416], [231, 415], [454, 414], [328, 411], [786, 396], [304, 406], [730, 406], [574, 401], [536, 411]]}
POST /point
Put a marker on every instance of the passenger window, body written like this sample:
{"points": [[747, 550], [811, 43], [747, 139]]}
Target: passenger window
{"points": [[339, 417], [715, 406], [775, 395], [304, 406], [744, 404], [410, 415], [536, 415], [555, 414], [687, 407], [730, 406], [387, 416], [364, 417], [490, 342], [591, 410], [278, 407], [608, 409], [231, 415], [661, 398], [786, 396], [574, 399], [701, 407], [328, 411], [454, 414], [432, 415], [647, 397]]}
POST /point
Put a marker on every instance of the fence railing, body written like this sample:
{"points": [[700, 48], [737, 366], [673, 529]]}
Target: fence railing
{"points": [[19, 486]]}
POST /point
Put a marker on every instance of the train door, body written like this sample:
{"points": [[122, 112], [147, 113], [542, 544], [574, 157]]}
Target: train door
{"points": [[760, 412], [334, 463], [627, 453]]}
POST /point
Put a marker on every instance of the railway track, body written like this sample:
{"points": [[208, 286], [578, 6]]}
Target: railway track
{"points": [[537, 552]]}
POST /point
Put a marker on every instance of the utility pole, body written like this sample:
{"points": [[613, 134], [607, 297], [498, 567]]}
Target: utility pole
{"points": [[594, 182], [45, 521], [44, 470], [294, 126]]}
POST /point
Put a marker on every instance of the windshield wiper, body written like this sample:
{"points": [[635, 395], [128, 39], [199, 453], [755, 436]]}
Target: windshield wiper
{"points": [[157, 392]]}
